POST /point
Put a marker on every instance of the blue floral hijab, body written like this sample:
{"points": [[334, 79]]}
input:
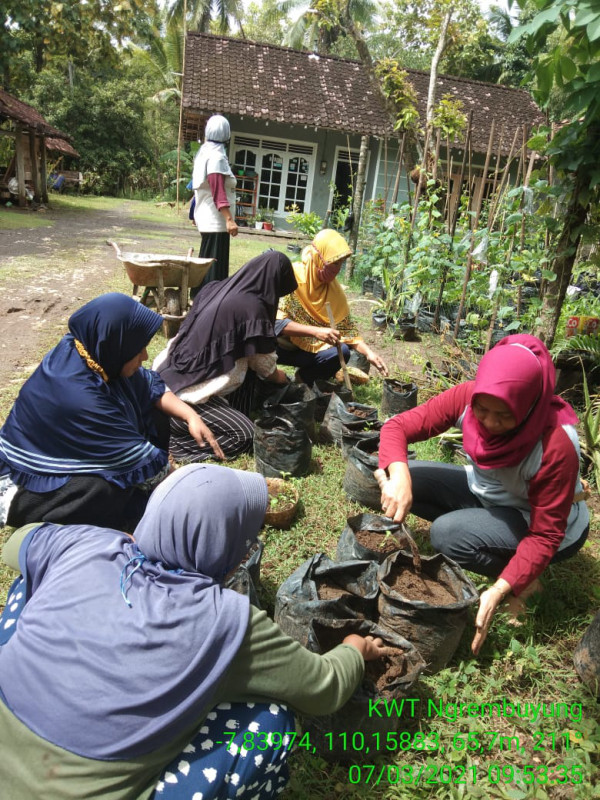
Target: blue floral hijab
{"points": [[76, 415], [121, 644]]}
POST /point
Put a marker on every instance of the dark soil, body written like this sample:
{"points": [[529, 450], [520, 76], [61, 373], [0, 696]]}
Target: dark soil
{"points": [[379, 542], [361, 413], [412, 586], [385, 671], [329, 590]]}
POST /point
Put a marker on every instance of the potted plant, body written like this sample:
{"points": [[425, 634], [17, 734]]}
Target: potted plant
{"points": [[284, 498], [260, 218], [268, 217], [255, 222]]}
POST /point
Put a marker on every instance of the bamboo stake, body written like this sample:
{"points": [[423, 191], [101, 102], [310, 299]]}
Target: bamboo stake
{"points": [[474, 230], [385, 174], [399, 172], [339, 350], [453, 220], [503, 180]]}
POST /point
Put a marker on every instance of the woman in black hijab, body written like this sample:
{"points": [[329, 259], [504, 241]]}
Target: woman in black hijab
{"points": [[226, 338]]}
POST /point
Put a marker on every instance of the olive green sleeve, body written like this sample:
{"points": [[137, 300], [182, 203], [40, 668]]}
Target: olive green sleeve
{"points": [[10, 551], [271, 666]]}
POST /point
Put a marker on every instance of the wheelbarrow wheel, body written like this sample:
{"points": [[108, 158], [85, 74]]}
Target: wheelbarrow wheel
{"points": [[173, 308]]}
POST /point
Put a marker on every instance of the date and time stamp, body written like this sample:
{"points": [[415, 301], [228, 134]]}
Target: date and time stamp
{"points": [[487, 751]]}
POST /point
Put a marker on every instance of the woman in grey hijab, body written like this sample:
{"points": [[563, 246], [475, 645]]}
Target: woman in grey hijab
{"points": [[128, 672], [213, 183]]}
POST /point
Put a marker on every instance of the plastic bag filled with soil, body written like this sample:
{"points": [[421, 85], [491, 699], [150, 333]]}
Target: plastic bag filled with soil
{"points": [[370, 537], [429, 608], [358, 433], [586, 657], [294, 401], [281, 448], [323, 391], [397, 397], [359, 481], [246, 577], [346, 734], [338, 414], [324, 588]]}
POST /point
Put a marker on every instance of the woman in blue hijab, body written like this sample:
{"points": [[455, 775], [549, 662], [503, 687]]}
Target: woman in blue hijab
{"points": [[128, 671], [84, 441]]}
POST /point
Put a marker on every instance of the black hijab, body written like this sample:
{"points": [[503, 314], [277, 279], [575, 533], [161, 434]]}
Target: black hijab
{"points": [[229, 319]]}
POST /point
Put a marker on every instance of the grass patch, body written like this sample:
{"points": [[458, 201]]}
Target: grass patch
{"points": [[12, 219]]}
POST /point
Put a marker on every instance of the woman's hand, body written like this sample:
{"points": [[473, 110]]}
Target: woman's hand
{"points": [[488, 604], [277, 376], [232, 228], [373, 358], [369, 647], [329, 336], [396, 492], [171, 405], [203, 434]]}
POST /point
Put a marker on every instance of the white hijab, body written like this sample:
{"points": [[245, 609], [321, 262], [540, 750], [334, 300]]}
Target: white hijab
{"points": [[212, 156]]}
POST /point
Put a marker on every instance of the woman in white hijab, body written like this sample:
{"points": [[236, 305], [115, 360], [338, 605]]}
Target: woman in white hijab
{"points": [[214, 192]]}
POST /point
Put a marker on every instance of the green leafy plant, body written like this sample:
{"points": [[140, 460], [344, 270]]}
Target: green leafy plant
{"points": [[307, 222], [591, 428]]}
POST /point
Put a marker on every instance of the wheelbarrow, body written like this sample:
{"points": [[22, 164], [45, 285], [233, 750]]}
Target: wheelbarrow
{"points": [[166, 279]]}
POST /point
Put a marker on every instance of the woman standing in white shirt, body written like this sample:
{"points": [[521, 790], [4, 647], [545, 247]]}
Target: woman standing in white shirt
{"points": [[214, 191]]}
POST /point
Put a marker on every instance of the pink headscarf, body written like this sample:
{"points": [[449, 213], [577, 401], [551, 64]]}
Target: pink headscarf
{"points": [[519, 371]]}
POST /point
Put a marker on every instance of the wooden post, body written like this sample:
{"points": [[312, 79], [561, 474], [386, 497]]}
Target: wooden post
{"points": [[35, 166], [43, 169], [20, 166]]}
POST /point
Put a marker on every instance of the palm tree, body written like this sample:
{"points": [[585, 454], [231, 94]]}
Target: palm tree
{"points": [[200, 14], [315, 30]]}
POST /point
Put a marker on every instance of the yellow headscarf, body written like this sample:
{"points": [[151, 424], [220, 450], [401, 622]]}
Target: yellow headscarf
{"points": [[306, 304]]}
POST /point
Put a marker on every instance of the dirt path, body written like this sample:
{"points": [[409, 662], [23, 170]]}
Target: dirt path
{"points": [[47, 272]]}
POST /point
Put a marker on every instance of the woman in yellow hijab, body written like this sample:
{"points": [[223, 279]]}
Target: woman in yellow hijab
{"points": [[306, 338]]}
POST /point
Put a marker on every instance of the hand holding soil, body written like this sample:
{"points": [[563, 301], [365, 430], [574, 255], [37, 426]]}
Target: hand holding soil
{"points": [[369, 647]]}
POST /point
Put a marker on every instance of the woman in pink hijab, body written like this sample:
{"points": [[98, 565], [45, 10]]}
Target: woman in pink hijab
{"points": [[518, 504]]}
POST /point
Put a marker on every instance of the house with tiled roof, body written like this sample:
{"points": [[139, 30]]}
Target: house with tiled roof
{"points": [[297, 119]]}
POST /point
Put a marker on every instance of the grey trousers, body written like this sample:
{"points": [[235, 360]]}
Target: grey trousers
{"points": [[482, 540]]}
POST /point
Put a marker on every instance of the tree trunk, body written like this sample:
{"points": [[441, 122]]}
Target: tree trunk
{"points": [[434, 67], [359, 189], [566, 253]]}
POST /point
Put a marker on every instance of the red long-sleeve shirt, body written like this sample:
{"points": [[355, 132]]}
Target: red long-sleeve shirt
{"points": [[550, 491]]}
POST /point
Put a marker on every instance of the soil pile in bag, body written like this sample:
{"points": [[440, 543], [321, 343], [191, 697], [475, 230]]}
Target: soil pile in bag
{"points": [[246, 577], [341, 414], [323, 391], [587, 656], [368, 536], [346, 734], [397, 397], [359, 481], [281, 448], [294, 401], [366, 429], [429, 608], [321, 588]]}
